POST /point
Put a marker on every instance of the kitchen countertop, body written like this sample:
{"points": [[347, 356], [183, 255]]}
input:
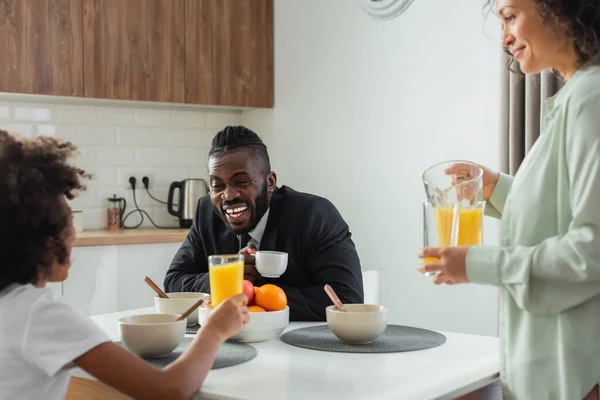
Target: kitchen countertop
{"points": [[462, 365], [129, 236]]}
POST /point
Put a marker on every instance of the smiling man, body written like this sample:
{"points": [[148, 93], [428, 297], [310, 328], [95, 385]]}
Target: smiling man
{"points": [[246, 211]]}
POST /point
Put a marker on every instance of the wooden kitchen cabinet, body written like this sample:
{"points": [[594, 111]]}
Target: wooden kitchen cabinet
{"points": [[229, 52], [134, 50], [211, 52], [41, 47]]}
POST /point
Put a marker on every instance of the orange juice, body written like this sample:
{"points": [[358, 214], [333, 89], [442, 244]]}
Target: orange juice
{"points": [[226, 280], [469, 226]]}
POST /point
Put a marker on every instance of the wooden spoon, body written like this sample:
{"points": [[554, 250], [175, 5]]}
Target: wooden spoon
{"points": [[336, 300], [155, 288], [190, 310]]}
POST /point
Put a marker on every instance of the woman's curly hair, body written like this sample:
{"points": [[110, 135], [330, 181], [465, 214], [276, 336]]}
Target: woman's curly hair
{"points": [[577, 20], [35, 177]]}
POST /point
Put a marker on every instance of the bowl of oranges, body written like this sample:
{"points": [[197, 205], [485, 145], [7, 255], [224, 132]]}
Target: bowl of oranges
{"points": [[269, 313]]}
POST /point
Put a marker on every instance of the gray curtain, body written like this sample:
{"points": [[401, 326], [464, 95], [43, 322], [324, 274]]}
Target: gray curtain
{"points": [[521, 112]]}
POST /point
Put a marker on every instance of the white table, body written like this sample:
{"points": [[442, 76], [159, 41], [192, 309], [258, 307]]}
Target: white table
{"points": [[461, 365]]}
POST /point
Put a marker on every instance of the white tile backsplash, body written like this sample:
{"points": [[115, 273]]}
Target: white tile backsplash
{"points": [[202, 137], [188, 156], [76, 114], [173, 137], [164, 142], [88, 156], [153, 117], [164, 176], [103, 176], [218, 120], [135, 136], [67, 132], [188, 119], [155, 156], [23, 129], [27, 112], [114, 116], [97, 135], [4, 111], [114, 156]]}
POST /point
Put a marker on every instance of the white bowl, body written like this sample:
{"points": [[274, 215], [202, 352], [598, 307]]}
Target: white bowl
{"points": [[271, 264], [178, 303], [363, 323], [152, 335], [263, 326]]}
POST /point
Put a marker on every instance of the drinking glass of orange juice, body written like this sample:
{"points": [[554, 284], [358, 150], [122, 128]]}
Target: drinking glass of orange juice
{"points": [[451, 225], [226, 274]]}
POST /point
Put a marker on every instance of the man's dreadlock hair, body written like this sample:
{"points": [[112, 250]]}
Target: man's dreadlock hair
{"points": [[238, 138]]}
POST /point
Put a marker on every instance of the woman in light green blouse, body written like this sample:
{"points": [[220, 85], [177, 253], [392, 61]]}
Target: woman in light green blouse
{"points": [[548, 265]]}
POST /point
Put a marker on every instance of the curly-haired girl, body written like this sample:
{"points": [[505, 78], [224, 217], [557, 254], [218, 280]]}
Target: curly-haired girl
{"points": [[41, 337]]}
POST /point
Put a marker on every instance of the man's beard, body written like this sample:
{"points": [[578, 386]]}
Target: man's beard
{"points": [[261, 205]]}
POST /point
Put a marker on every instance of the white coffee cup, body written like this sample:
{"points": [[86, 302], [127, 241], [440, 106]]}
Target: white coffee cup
{"points": [[271, 264]]}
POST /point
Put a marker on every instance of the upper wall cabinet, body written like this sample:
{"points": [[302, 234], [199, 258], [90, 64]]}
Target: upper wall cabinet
{"points": [[229, 52], [212, 52], [41, 47], [134, 49]]}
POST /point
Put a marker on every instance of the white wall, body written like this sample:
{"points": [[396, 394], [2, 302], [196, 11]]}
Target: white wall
{"points": [[118, 139], [362, 107]]}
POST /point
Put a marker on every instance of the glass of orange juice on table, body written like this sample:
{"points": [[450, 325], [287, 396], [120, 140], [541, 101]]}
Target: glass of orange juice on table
{"points": [[226, 277], [453, 214]]}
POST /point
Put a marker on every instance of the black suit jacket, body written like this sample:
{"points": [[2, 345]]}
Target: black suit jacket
{"points": [[309, 228]]}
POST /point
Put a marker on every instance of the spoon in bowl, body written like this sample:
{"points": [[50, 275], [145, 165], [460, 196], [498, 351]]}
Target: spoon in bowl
{"points": [[190, 310], [336, 300], [155, 287]]}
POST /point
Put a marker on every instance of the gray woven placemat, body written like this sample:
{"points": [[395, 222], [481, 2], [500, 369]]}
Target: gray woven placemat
{"points": [[395, 338], [192, 330], [228, 355]]}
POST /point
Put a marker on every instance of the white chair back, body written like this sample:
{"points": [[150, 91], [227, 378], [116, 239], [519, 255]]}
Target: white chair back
{"points": [[371, 287]]}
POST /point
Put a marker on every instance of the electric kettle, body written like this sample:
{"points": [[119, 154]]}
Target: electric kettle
{"points": [[190, 191]]}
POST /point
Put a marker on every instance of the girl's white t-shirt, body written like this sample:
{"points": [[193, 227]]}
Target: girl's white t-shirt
{"points": [[40, 336]]}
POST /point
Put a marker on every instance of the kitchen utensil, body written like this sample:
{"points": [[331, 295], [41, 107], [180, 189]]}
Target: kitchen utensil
{"points": [[155, 287], [190, 192], [190, 310], [114, 213], [453, 211], [336, 300]]}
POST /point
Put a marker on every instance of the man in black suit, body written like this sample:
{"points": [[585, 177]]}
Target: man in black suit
{"points": [[245, 211]]}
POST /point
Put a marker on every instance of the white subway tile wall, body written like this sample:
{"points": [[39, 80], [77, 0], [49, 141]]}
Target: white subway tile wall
{"points": [[116, 142]]}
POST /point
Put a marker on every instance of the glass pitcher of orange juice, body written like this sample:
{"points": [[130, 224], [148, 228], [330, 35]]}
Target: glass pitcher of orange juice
{"points": [[226, 274], [453, 212]]}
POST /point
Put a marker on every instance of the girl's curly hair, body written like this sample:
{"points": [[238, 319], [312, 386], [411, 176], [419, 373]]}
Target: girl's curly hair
{"points": [[577, 20], [34, 218]]}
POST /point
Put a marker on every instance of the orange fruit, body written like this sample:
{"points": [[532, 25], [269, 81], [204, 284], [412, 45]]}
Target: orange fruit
{"points": [[271, 298], [256, 309], [256, 289]]}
